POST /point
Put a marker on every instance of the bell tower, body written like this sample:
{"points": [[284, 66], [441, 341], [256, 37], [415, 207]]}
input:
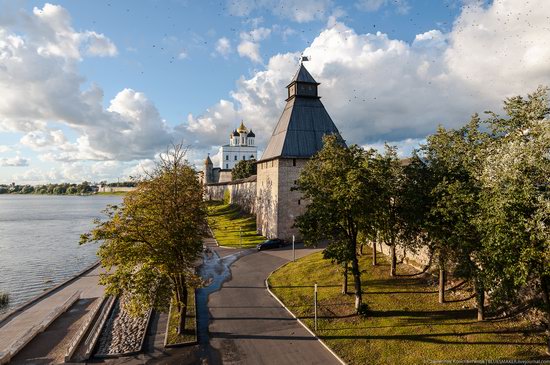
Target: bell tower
{"points": [[303, 84], [297, 136]]}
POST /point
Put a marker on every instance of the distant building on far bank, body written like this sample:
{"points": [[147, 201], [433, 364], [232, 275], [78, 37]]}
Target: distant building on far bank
{"points": [[241, 147]]}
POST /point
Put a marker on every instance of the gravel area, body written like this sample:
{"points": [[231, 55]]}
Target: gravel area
{"points": [[122, 333]]}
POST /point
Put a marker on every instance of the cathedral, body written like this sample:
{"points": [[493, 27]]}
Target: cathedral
{"points": [[240, 148], [297, 136]]}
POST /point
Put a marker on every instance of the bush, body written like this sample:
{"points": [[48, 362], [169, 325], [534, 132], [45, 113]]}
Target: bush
{"points": [[4, 299]]}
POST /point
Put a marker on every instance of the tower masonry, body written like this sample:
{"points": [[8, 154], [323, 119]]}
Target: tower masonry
{"points": [[298, 135]]}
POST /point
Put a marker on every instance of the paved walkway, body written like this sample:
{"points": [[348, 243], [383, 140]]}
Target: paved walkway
{"points": [[248, 326], [13, 327]]}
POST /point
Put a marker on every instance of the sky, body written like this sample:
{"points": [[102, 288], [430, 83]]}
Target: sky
{"points": [[94, 90]]}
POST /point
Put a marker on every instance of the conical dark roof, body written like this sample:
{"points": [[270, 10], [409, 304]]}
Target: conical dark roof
{"points": [[251, 134], [208, 161], [303, 75], [300, 130]]}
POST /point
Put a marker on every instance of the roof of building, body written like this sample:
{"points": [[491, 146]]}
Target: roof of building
{"points": [[302, 75], [300, 130], [208, 161], [251, 134], [235, 133], [242, 128]]}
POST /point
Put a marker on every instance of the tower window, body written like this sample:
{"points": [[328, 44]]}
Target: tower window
{"points": [[235, 158], [244, 158], [293, 162], [299, 201], [226, 157], [226, 166]]}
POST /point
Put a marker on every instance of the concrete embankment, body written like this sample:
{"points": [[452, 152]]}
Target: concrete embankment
{"points": [[29, 319]]}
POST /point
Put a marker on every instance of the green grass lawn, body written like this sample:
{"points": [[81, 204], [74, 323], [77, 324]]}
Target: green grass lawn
{"points": [[228, 222], [405, 324], [189, 334]]}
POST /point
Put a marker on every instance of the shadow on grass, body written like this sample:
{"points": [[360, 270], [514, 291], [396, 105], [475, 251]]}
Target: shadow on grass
{"points": [[429, 337]]}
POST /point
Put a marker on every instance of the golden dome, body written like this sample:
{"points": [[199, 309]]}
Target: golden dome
{"points": [[242, 128]]}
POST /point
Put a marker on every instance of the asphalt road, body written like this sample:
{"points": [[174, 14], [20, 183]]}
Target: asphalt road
{"points": [[248, 326]]}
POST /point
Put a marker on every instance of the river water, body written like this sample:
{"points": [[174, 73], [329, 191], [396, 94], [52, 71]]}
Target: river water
{"points": [[39, 241]]}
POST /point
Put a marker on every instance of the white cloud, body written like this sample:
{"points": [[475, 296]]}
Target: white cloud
{"points": [[223, 46], [250, 46], [4, 149], [99, 45], [250, 50], [182, 55], [401, 6], [377, 88], [300, 11], [40, 84], [16, 161]]}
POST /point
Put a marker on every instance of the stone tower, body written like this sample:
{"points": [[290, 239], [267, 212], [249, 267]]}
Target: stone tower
{"points": [[208, 170], [296, 138]]}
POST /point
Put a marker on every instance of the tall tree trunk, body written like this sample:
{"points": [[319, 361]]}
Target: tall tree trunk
{"points": [[356, 281], [182, 309], [361, 248], [480, 299], [545, 283], [393, 258], [345, 283], [374, 250], [442, 278]]}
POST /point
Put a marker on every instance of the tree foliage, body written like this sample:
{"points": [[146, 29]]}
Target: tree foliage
{"points": [[150, 243], [337, 188], [243, 169]]}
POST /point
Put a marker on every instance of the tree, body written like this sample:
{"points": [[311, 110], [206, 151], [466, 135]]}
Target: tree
{"points": [[515, 202], [454, 157], [243, 169], [336, 186], [388, 172], [151, 242]]}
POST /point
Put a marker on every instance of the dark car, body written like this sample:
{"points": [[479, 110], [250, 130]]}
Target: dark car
{"points": [[274, 243]]}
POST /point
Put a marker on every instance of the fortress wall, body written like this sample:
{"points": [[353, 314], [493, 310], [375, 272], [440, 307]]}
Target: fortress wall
{"points": [[242, 193], [417, 259]]}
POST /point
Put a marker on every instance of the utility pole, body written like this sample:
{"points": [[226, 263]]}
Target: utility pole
{"points": [[315, 304], [293, 250], [241, 236]]}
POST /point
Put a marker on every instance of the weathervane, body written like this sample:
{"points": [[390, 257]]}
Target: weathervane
{"points": [[303, 58]]}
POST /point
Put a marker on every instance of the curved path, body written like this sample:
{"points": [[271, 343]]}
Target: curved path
{"points": [[248, 326]]}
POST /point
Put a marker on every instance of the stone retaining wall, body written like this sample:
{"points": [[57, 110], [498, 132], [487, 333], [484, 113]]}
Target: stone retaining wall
{"points": [[242, 193]]}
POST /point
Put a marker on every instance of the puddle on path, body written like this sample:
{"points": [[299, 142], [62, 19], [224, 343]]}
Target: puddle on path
{"points": [[215, 271]]}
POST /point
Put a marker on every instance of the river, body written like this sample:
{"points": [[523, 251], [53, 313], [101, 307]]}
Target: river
{"points": [[39, 237]]}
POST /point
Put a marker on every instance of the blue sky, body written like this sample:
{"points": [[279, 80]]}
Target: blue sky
{"points": [[94, 90]]}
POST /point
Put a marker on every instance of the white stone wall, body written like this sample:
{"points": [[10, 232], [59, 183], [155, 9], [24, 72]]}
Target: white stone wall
{"points": [[291, 202], [242, 193], [267, 198]]}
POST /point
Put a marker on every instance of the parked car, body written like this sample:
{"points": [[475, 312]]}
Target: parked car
{"points": [[266, 245]]}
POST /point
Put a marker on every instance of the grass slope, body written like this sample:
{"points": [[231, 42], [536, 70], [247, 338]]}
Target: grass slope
{"points": [[226, 221], [189, 334], [405, 325]]}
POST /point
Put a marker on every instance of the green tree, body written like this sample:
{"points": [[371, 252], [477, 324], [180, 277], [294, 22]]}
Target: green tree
{"points": [[71, 190], [515, 202], [336, 186], [243, 169], [151, 242], [454, 157], [389, 176]]}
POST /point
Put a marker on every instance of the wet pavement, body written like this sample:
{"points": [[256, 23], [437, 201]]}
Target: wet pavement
{"points": [[239, 322]]}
